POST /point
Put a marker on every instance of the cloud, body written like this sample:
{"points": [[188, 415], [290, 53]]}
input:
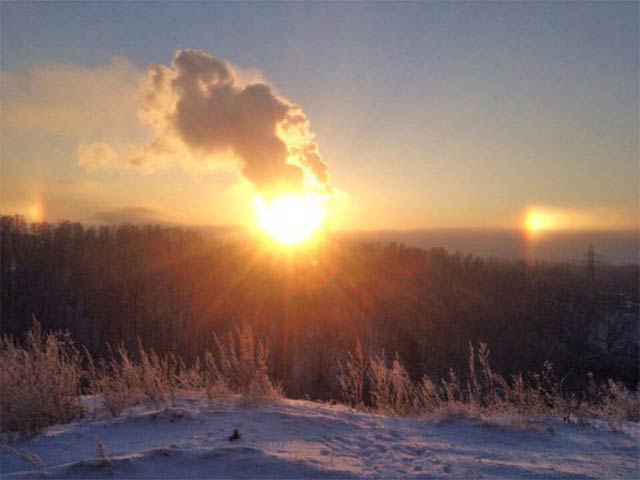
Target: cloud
{"points": [[204, 116], [98, 155], [199, 113], [73, 101]]}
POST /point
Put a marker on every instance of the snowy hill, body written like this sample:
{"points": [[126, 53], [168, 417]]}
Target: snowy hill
{"points": [[300, 439]]}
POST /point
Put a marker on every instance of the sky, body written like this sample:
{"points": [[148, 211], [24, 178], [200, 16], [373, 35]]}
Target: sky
{"points": [[426, 114]]}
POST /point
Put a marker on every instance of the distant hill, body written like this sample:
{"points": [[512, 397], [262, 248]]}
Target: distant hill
{"points": [[613, 247]]}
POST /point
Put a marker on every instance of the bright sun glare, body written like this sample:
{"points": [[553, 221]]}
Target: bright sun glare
{"points": [[291, 219]]}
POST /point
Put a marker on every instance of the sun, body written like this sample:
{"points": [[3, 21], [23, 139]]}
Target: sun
{"points": [[291, 219]]}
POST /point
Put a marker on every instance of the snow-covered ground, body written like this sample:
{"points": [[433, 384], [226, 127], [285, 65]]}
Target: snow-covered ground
{"points": [[299, 439]]}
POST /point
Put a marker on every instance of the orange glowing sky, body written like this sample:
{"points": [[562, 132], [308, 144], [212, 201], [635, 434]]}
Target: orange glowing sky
{"points": [[426, 115]]}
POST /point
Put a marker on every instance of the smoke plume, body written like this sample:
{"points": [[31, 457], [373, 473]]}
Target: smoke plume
{"points": [[203, 115]]}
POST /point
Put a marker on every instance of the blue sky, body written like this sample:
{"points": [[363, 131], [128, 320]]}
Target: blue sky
{"points": [[428, 114]]}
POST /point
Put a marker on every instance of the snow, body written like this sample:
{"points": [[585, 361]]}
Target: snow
{"points": [[301, 439]]}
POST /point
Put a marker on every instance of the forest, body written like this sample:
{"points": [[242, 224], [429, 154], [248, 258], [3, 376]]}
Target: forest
{"points": [[171, 289]]}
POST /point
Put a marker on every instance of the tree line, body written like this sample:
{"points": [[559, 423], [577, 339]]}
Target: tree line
{"points": [[171, 289]]}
